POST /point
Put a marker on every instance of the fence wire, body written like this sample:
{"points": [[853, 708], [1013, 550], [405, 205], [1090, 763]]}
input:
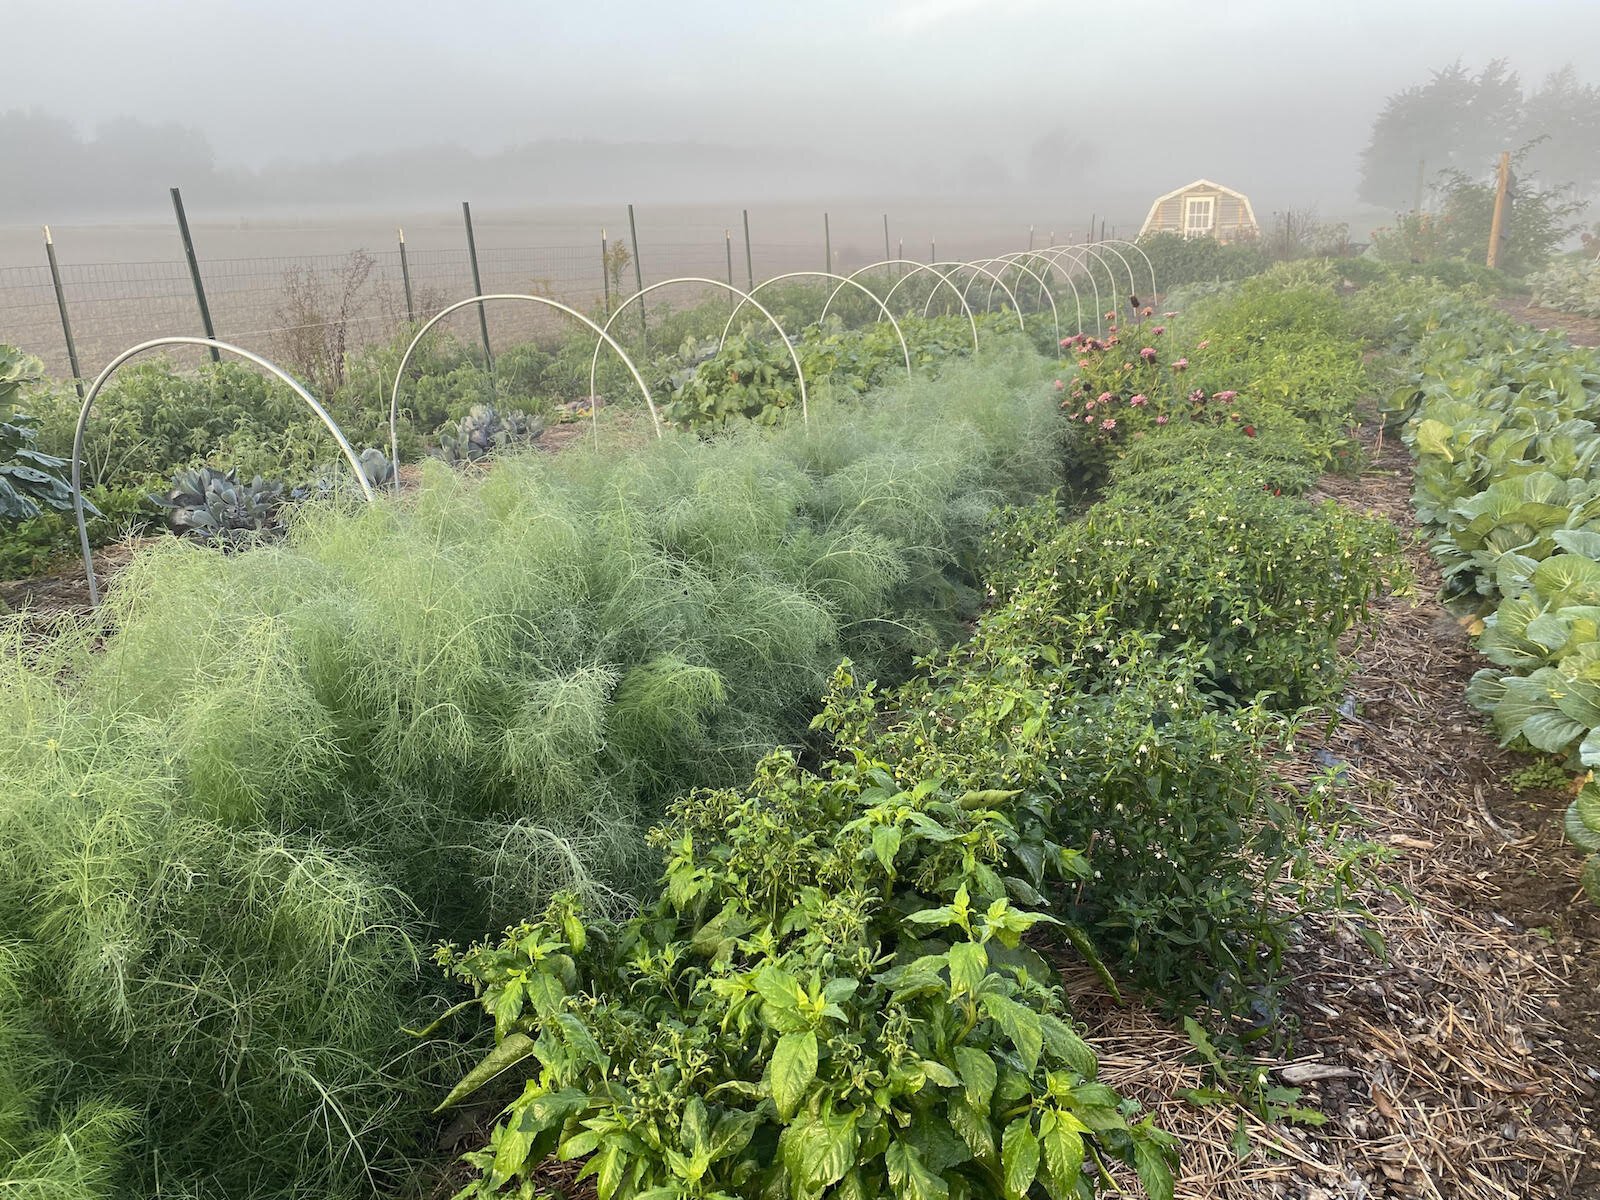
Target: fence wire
{"points": [[278, 304]]}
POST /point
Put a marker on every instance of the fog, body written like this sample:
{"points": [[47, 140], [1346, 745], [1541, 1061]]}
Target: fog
{"points": [[292, 105]]}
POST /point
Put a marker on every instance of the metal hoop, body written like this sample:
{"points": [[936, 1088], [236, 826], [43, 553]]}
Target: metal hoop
{"points": [[213, 344], [1139, 250], [1044, 291], [1077, 253], [1055, 268], [966, 266], [915, 267], [889, 316], [799, 374], [394, 394]]}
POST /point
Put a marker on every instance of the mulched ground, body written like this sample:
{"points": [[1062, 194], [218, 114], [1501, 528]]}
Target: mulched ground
{"points": [[1465, 1064]]}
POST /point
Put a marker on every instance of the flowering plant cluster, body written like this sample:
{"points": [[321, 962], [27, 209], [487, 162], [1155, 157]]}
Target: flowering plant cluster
{"points": [[1121, 391]]}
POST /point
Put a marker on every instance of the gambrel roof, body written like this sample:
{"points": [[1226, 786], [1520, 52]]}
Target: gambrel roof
{"points": [[1196, 185]]}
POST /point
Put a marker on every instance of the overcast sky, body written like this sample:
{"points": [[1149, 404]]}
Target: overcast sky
{"points": [[1279, 91]]}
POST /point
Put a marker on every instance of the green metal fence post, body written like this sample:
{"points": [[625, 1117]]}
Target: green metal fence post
{"points": [[477, 285], [194, 272]]}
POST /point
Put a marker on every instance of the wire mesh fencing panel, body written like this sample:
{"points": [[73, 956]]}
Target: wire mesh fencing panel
{"points": [[308, 311]]}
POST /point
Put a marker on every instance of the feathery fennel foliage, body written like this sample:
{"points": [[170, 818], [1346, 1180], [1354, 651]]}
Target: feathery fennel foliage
{"points": [[230, 811]]}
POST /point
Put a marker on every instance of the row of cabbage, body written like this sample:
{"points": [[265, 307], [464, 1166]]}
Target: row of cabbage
{"points": [[1505, 424]]}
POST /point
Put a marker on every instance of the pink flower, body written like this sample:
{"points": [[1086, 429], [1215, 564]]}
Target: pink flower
{"points": [[1148, 354], [1181, 365], [1060, 386], [1088, 419], [1083, 362], [1146, 311], [1088, 404], [1110, 423], [1228, 395], [1203, 344], [1069, 341], [1197, 396], [1249, 431], [1112, 340], [1111, 316], [1158, 331], [1106, 397], [1169, 315], [1162, 419], [1139, 401]]}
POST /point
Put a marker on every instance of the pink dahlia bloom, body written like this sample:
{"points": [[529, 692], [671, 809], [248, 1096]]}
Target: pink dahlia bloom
{"points": [[1148, 354]]}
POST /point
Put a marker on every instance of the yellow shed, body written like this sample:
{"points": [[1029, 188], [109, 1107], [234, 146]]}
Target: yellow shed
{"points": [[1203, 209]]}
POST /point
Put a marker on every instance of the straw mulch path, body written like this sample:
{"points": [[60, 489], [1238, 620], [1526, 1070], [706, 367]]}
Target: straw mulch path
{"points": [[1466, 1064]]}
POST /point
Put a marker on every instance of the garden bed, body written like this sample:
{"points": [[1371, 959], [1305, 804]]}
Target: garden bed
{"points": [[1462, 1066]]}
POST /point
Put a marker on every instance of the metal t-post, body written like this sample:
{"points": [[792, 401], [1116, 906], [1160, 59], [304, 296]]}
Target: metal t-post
{"points": [[638, 274], [194, 272], [61, 307], [477, 286], [405, 277]]}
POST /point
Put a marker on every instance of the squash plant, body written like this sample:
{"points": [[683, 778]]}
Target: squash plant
{"points": [[829, 995]]}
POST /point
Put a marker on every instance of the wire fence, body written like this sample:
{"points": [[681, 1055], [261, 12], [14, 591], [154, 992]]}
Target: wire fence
{"points": [[274, 303], [294, 306]]}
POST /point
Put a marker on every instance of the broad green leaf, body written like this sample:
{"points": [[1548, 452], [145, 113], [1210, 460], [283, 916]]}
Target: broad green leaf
{"points": [[1063, 1153], [1019, 1157], [512, 1050], [978, 1074], [1065, 1044], [1591, 878], [908, 1176], [1154, 1171], [969, 962], [1433, 437], [1578, 830], [975, 1129], [794, 1066], [1020, 1024], [1568, 579], [1578, 541], [886, 844]]}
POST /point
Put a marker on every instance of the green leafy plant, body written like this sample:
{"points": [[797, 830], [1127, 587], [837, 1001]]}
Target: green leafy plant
{"points": [[30, 480], [214, 506], [485, 430], [831, 995], [1571, 285]]}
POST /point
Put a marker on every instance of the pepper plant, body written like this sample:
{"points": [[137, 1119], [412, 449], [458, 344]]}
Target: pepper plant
{"points": [[830, 995]]}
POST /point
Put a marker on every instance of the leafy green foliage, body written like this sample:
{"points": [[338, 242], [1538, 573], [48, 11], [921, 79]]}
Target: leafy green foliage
{"points": [[1572, 285], [1179, 260], [485, 430], [1505, 425], [214, 506], [830, 994], [752, 375], [237, 800], [1255, 589], [30, 480]]}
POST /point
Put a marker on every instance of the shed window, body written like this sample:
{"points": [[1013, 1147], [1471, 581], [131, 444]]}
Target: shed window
{"points": [[1199, 215]]}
